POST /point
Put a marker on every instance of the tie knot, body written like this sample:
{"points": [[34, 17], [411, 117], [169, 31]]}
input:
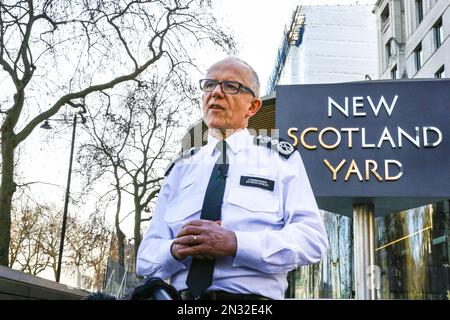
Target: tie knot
{"points": [[222, 146]]}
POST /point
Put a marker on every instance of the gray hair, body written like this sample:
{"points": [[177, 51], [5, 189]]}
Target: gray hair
{"points": [[255, 85]]}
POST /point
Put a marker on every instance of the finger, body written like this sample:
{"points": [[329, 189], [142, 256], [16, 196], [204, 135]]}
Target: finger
{"points": [[175, 250], [190, 251], [187, 240], [189, 230], [182, 241], [198, 228], [199, 222], [177, 247], [195, 222]]}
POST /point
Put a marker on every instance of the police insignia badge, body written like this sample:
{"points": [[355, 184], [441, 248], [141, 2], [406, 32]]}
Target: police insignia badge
{"points": [[284, 148]]}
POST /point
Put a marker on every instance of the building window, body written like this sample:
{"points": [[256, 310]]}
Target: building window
{"points": [[394, 72], [388, 53], [385, 16], [419, 11], [440, 73], [418, 57], [438, 33]]}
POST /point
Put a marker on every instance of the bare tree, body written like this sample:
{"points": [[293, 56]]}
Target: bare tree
{"points": [[57, 53], [98, 257], [88, 246], [24, 221], [35, 236], [29, 242], [52, 222], [132, 143]]}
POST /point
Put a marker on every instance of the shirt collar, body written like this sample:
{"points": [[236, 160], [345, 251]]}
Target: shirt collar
{"points": [[236, 141]]}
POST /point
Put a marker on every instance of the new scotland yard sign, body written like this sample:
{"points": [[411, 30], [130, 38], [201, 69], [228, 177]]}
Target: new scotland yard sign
{"points": [[380, 142]]}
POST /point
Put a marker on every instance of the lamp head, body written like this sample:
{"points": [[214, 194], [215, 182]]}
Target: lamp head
{"points": [[46, 125]]}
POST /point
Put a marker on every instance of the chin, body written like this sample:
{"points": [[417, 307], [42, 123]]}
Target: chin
{"points": [[215, 124]]}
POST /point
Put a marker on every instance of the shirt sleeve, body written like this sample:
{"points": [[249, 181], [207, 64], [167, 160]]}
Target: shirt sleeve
{"points": [[154, 257], [303, 238]]}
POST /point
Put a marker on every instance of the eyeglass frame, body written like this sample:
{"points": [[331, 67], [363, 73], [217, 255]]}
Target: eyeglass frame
{"points": [[240, 86]]}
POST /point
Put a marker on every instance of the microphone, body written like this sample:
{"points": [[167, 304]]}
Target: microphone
{"points": [[160, 294], [155, 289]]}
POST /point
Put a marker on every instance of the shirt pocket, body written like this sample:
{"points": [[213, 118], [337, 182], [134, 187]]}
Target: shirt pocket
{"points": [[253, 199], [182, 211], [187, 182], [253, 209], [186, 187]]}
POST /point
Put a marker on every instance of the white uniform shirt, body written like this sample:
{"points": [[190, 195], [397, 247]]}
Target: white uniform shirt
{"points": [[277, 230]]}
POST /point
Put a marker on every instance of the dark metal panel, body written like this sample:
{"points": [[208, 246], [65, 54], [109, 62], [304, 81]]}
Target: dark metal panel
{"points": [[420, 103]]}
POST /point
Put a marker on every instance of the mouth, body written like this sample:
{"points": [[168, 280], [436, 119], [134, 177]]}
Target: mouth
{"points": [[216, 107]]}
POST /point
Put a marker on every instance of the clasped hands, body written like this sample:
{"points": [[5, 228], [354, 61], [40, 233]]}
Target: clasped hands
{"points": [[204, 239]]}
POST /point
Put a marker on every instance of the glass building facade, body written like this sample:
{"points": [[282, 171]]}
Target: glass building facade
{"points": [[412, 257], [333, 276], [413, 253]]}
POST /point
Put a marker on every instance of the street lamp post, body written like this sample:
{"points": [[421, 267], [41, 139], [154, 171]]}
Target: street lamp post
{"points": [[67, 195], [66, 201]]}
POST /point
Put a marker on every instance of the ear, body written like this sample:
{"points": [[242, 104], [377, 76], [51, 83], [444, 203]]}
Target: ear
{"points": [[254, 107]]}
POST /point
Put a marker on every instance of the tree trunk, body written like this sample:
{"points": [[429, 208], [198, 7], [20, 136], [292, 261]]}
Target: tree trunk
{"points": [[7, 189], [120, 236], [137, 228]]}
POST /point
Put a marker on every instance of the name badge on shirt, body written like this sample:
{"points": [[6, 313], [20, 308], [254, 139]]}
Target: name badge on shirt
{"points": [[257, 182]]}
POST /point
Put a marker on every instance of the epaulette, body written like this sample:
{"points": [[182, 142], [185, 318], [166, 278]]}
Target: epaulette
{"points": [[282, 147], [185, 155]]}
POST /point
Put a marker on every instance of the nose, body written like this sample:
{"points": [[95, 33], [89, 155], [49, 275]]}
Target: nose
{"points": [[217, 90]]}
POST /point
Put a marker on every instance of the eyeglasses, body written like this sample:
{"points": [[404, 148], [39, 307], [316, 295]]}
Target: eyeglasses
{"points": [[228, 87]]}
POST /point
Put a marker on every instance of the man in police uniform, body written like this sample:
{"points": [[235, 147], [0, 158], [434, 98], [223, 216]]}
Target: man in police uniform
{"points": [[267, 222]]}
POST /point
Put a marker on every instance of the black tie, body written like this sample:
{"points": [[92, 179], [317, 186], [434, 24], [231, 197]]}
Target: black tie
{"points": [[201, 272]]}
